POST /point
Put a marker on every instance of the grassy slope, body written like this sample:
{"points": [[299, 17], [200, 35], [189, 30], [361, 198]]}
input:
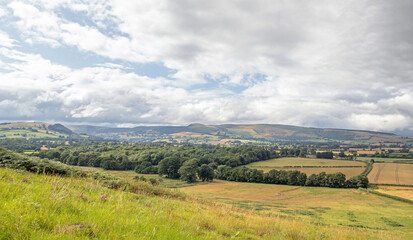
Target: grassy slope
{"points": [[51, 207], [340, 207], [21, 129]]}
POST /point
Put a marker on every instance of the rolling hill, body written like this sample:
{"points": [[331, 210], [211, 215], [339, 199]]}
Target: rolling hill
{"points": [[239, 133], [34, 130]]}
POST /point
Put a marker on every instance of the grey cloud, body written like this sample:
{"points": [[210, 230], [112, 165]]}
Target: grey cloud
{"points": [[329, 63]]}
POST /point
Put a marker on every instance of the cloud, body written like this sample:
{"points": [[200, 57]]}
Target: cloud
{"points": [[342, 64], [5, 40]]}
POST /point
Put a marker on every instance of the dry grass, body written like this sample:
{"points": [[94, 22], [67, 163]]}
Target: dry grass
{"points": [[392, 173], [51, 207], [348, 207], [403, 192]]}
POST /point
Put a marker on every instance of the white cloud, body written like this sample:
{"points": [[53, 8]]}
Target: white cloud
{"points": [[329, 64], [5, 40]]}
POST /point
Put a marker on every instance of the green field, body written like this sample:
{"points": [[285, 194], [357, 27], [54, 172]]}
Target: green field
{"points": [[304, 162], [400, 160], [51, 207], [325, 206]]}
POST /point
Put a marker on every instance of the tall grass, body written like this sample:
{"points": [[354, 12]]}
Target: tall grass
{"points": [[65, 203], [51, 207]]}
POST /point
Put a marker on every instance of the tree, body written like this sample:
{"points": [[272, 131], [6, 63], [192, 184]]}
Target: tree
{"points": [[169, 166], [188, 170], [206, 173]]}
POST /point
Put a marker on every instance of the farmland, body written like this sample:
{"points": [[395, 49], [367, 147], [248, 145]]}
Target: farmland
{"points": [[399, 191], [311, 166], [348, 171], [42, 206], [341, 207], [323, 206], [390, 160], [391, 173], [304, 162]]}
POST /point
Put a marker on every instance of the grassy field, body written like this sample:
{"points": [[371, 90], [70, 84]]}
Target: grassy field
{"points": [[392, 173], [165, 182], [304, 162], [400, 160], [403, 192], [310, 165], [349, 171], [340, 207], [51, 207]]}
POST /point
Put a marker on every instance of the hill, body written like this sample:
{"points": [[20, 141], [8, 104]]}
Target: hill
{"points": [[86, 205], [34, 130], [240, 133]]}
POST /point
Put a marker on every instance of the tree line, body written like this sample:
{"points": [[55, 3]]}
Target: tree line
{"points": [[295, 178]]}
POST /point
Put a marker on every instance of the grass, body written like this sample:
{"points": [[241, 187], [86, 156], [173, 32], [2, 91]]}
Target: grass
{"points": [[403, 192], [391, 173], [316, 205], [165, 182], [304, 162], [52, 207], [390, 160], [349, 172]]}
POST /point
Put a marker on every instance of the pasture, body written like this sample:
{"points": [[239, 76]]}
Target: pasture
{"points": [[377, 159], [311, 166], [392, 173], [348, 171], [304, 162], [403, 192], [324, 206]]}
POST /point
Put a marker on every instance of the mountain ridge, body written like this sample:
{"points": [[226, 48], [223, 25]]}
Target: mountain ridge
{"points": [[253, 132]]}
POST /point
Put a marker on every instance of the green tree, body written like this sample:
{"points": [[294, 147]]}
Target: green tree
{"points": [[169, 166], [188, 170], [206, 173]]}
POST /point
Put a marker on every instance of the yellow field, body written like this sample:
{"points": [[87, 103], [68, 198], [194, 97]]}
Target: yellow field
{"points": [[310, 166], [343, 207], [392, 173], [403, 192]]}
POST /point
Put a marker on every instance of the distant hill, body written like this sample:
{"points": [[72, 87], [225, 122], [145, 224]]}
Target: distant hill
{"points": [[240, 133], [35, 130]]}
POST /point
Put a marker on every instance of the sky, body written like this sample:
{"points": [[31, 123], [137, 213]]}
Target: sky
{"points": [[316, 63]]}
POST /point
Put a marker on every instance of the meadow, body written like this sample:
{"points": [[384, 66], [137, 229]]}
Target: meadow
{"points": [[287, 162], [322, 206], [51, 207], [391, 173], [348, 171], [399, 191], [311, 166], [390, 160]]}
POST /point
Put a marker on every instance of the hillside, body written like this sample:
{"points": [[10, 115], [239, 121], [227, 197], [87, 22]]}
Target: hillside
{"points": [[84, 206], [237, 133], [34, 130]]}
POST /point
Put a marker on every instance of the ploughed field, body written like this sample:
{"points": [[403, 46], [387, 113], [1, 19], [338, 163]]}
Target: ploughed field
{"points": [[391, 173], [311, 165]]}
